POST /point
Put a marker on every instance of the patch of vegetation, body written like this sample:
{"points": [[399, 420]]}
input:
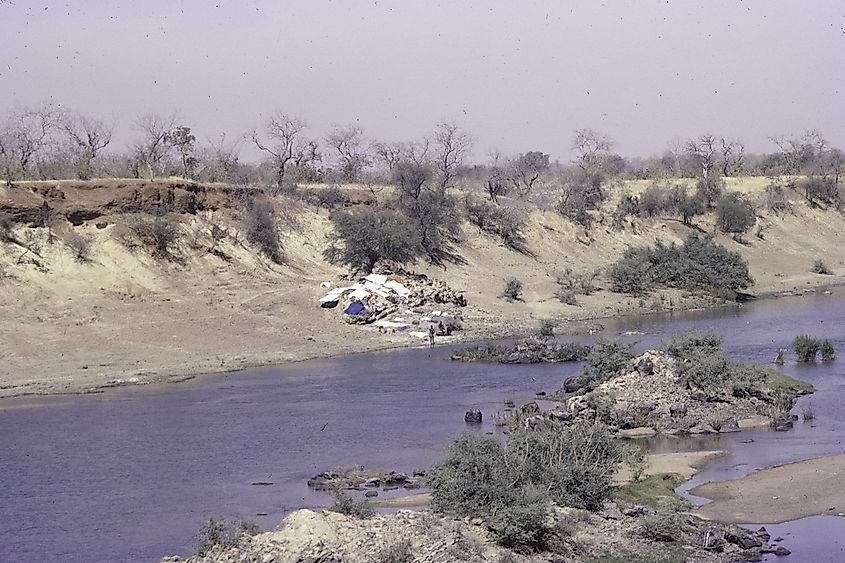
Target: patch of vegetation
{"points": [[160, 234], [7, 223], [704, 365], [667, 553], [652, 491], [664, 525], [80, 245], [546, 328], [604, 362], [827, 351], [819, 267], [806, 348], [220, 532], [262, 230], [572, 284], [512, 290], [345, 504], [698, 264], [527, 351], [363, 237], [504, 222], [396, 552], [734, 214], [512, 487]]}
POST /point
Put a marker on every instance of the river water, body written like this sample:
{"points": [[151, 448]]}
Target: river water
{"points": [[131, 474]]}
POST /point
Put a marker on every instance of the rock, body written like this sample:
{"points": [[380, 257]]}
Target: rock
{"points": [[561, 415], [370, 494], [635, 510], [782, 551], [645, 366], [702, 428], [509, 403], [640, 432], [530, 408], [728, 425], [541, 393], [743, 540], [778, 539], [473, 416], [763, 534], [782, 424], [394, 479], [677, 410], [572, 385], [373, 482]]}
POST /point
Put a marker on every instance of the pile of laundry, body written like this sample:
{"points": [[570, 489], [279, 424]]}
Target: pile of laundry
{"points": [[397, 303]]}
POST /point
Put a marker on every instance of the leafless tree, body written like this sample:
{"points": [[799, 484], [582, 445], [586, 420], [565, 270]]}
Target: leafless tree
{"points": [[25, 133], [347, 141], [526, 169], [452, 145], [733, 154], [388, 153], [220, 159], [592, 147], [153, 147], [497, 180], [804, 153], [285, 145], [88, 137], [703, 151]]}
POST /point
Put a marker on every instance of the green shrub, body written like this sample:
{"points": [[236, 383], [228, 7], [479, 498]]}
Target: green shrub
{"points": [[698, 264], [734, 214], [511, 487], [513, 290], [827, 351], [364, 236], [503, 222], [664, 525], [605, 361], [220, 532], [710, 189], [687, 344], [161, 234], [578, 283], [819, 267], [345, 504], [546, 329], [261, 229], [806, 348]]}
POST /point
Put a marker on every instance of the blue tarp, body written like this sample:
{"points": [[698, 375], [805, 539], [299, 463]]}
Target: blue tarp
{"points": [[354, 309]]}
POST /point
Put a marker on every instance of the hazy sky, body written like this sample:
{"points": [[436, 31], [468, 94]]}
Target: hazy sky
{"points": [[519, 75]]}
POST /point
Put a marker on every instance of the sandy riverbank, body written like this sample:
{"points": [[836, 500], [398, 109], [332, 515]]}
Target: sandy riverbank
{"points": [[771, 496]]}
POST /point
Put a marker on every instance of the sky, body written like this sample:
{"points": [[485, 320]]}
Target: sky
{"points": [[519, 75]]}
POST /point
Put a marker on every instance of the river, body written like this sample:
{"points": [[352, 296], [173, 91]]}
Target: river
{"points": [[130, 475]]}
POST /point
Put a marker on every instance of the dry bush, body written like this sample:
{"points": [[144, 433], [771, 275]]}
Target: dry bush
{"points": [[80, 245]]}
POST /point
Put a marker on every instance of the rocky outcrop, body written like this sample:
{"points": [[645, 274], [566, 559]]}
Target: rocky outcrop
{"points": [[324, 536]]}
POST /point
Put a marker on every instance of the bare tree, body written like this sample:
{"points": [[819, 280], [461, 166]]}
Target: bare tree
{"points": [[221, 159], [592, 147], [153, 147], [25, 133], [347, 141], [452, 145], [733, 154], [88, 137], [703, 151], [285, 145], [497, 180], [388, 153], [526, 170], [804, 153]]}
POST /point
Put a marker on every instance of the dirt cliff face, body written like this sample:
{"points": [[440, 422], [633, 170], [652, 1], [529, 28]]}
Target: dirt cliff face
{"points": [[222, 306]]}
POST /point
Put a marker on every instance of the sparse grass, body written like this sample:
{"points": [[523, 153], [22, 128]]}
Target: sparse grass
{"points": [[664, 553], [652, 491], [396, 552], [345, 504], [218, 531]]}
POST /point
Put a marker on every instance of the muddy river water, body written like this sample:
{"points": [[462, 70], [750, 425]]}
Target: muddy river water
{"points": [[130, 475]]}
